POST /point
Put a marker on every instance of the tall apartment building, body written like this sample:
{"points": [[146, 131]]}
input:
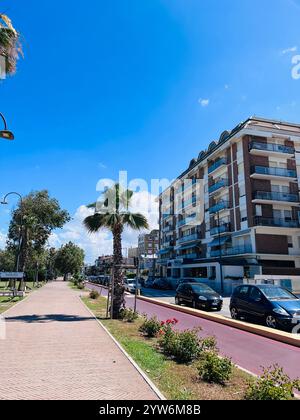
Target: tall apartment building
{"points": [[148, 244], [249, 219]]}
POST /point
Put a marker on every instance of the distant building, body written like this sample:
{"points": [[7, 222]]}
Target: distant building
{"points": [[148, 244], [133, 252]]}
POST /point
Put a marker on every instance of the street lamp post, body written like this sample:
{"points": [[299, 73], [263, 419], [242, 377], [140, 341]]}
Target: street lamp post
{"points": [[4, 202], [6, 134]]}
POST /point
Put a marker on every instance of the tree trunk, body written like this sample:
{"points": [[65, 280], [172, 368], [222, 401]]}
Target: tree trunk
{"points": [[23, 255], [118, 286]]}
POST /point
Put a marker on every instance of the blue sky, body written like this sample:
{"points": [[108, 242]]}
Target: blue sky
{"points": [[138, 85]]}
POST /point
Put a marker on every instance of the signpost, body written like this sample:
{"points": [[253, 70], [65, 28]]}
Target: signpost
{"points": [[7, 275]]}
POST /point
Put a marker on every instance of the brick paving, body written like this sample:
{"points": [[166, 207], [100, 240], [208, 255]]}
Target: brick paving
{"points": [[56, 350]]}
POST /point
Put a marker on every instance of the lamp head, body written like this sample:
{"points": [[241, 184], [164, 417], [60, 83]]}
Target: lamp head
{"points": [[7, 135]]}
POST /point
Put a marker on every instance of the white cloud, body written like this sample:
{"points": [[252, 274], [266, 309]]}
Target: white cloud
{"points": [[101, 243], [203, 102], [289, 50]]}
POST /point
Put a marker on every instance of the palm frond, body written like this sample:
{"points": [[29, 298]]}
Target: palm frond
{"points": [[95, 222], [135, 221], [10, 45]]}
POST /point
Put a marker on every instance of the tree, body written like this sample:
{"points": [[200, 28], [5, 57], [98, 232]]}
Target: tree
{"points": [[10, 45], [113, 213], [7, 260], [69, 260], [34, 219]]}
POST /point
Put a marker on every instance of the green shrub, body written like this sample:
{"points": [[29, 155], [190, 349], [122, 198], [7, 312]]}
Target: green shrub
{"points": [[209, 344], [274, 384], [150, 327], [128, 315], [80, 286], [94, 294], [214, 369], [183, 346]]}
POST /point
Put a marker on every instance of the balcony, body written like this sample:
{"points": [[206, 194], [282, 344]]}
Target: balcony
{"points": [[186, 221], [218, 185], [167, 215], [167, 229], [273, 171], [188, 257], [272, 148], [217, 165], [226, 252], [224, 228], [276, 196], [187, 185], [189, 202], [189, 238], [276, 222], [222, 205]]}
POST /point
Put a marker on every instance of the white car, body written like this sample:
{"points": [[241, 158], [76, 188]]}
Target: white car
{"points": [[130, 285]]}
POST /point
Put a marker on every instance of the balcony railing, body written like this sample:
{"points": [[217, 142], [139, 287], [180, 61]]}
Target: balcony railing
{"points": [[217, 165], [219, 206], [186, 186], [225, 252], [192, 256], [272, 147], [272, 171], [222, 229], [186, 221], [276, 196], [167, 229], [189, 202], [219, 184], [189, 238], [166, 215], [276, 222]]}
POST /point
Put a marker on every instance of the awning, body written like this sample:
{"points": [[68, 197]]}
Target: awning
{"points": [[219, 241]]}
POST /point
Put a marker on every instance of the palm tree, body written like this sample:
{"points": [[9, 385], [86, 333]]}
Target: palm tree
{"points": [[10, 46], [113, 213]]}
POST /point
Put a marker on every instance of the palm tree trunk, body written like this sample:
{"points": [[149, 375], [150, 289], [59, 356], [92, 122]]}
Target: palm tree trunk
{"points": [[118, 288]]}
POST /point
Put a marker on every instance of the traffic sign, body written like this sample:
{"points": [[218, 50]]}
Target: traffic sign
{"points": [[7, 275]]}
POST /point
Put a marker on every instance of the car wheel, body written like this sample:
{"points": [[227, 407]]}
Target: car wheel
{"points": [[271, 321], [234, 313], [195, 305], [177, 301]]}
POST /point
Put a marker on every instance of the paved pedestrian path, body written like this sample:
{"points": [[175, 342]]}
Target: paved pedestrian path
{"points": [[56, 350]]}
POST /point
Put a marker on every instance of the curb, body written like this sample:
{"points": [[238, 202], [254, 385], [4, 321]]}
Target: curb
{"points": [[276, 335], [134, 364]]}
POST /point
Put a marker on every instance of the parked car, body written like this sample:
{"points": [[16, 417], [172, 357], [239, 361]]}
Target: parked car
{"points": [[149, 283], [130, 285], [187, 280], [161, 284], [273, 305], [198, 296]]}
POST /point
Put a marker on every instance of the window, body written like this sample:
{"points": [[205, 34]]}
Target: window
{"points": [[288, 215], [277, 214], [258, 210], [243, 291], [244, 217], [242, 190], [298, 241], [255, 294], [290, 241]]}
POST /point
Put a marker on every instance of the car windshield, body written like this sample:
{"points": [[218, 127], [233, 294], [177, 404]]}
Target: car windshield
{"points": [[202, 288], [277, 293]]}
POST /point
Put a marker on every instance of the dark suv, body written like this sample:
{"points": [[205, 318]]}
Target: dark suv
{"points": [[199, 296], [273, 305]]}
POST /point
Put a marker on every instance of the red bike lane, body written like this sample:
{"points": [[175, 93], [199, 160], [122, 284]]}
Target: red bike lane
{"points": [[249, 351]]}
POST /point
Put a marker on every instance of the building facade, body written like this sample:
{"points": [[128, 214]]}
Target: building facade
{"points": [[234, 213], [148, 244]]}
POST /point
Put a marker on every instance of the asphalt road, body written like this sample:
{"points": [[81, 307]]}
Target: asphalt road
{"points": [[247, 350], [169, 296]]}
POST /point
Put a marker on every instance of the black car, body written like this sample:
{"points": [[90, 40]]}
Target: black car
{"points": [[273, 305], [199, 295], [161, 284], [187, 280]]}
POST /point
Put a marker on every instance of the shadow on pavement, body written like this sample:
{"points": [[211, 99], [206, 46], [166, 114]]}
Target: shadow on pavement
{"points": [[47, 318]]}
